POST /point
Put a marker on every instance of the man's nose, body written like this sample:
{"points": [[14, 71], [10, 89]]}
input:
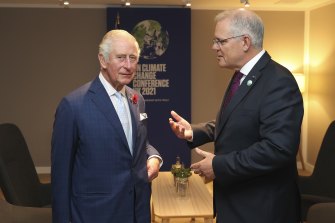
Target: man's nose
{"points": [[127, 62]]}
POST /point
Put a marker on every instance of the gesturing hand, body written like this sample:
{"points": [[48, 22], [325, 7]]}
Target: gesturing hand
{"points": [[180, 127], [204, 167]]}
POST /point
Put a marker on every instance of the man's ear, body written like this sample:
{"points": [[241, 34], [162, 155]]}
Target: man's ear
{"points": [[102, 61], [246, 43]]}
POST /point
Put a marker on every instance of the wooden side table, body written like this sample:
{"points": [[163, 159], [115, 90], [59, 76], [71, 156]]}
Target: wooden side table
{"points": [[167, 204]]}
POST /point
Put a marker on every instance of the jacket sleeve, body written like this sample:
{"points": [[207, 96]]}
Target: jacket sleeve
{"points": [[64, 140]]}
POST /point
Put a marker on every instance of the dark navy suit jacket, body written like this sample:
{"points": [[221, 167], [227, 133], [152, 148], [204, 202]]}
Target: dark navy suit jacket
{"points": [[94, 176], [256, 138]]}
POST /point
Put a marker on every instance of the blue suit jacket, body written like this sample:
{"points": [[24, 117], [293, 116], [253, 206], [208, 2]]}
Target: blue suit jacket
{"points": [[256, 138], [94, 176]]}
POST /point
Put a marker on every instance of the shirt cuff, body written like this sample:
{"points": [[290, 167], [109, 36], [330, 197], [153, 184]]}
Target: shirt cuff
{"points": [[158, 157]]}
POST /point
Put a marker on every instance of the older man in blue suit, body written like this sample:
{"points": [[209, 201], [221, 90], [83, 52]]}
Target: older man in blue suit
{"points": [[102, 162]]}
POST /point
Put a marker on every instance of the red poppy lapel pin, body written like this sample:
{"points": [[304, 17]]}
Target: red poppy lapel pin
{"points": [[134, 99]]}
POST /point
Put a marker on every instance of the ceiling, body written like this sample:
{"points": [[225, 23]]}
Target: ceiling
{"points": [[289, 5]]}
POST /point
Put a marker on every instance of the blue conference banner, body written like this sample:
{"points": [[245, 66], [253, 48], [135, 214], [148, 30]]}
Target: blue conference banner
{"points": [[164, 71]]}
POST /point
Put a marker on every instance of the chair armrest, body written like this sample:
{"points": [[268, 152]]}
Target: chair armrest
{"points": [[316, 199]]}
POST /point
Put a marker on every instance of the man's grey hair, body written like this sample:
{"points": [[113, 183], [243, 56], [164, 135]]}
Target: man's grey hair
{"points": [[106, 45], [244, 22]]}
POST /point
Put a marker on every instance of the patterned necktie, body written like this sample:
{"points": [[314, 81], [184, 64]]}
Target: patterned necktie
{"points": [[124, 119], [233, 87]]}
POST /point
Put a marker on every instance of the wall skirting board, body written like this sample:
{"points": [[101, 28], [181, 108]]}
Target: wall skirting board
{"points": [[43, 169]]}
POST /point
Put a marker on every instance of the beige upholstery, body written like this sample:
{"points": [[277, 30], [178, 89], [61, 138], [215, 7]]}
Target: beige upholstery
{"points": [[18, 214], [321, 213]]}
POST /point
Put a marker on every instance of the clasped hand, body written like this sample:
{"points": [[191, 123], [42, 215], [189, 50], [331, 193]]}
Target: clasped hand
{"points": [[204, 167], [153, 168]]}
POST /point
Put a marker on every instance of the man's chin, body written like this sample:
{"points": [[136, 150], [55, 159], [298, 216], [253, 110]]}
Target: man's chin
{"points": [[222, 64], [126, 81]]}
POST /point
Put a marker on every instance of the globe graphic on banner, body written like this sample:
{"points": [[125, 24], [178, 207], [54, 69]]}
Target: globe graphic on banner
{"points": [[152, 38]]}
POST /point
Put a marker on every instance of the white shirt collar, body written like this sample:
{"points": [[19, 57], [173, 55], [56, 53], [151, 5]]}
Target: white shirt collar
{"points": [[251, 63], [109, 88]]}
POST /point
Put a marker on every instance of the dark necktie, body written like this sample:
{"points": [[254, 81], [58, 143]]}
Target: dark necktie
{"points": [[233, 87]]}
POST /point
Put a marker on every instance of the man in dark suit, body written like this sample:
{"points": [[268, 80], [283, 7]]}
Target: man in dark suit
{"points": [[102, 162], [256, 132]]}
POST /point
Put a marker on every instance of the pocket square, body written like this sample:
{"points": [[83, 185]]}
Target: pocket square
{"points": [[143, 116]]}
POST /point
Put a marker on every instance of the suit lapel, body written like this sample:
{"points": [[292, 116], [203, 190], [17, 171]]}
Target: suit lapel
{"points": [[248, 83], [102, 100]]}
